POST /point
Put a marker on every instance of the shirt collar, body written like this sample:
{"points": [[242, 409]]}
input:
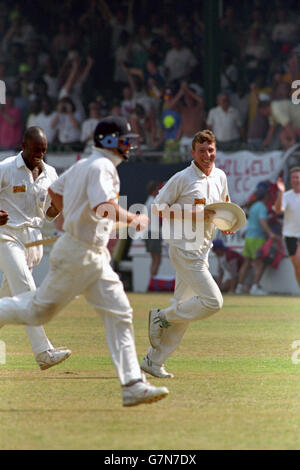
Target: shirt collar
{"points": [[110, 155], [200, 172], [20, 162]]}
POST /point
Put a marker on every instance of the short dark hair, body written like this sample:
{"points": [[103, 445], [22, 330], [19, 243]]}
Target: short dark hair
{"points": [[32, 132]]}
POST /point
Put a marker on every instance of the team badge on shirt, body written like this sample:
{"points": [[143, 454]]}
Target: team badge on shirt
{"points": [[19, 189], [200, 201]]}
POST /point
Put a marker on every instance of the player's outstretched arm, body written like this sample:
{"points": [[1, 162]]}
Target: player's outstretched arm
{"points": [[112, 210]]}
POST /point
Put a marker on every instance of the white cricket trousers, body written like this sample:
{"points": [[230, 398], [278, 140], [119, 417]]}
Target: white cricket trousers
{"points": [[196, 296], [75, 269], [17, 279]]}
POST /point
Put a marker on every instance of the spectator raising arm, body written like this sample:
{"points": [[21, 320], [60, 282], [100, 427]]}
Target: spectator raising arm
{"points": [[278, 209]]}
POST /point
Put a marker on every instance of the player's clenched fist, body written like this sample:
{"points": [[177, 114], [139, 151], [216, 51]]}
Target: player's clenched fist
{"points": [[3, 217]]}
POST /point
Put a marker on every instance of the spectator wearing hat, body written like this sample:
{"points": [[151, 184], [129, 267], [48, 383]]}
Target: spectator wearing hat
{"points": [[258, 231], [229, 264]]}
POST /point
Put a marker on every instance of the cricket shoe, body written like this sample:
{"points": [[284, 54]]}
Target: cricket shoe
{"points": [[156, 325], [155, 369], [142, 392], [239, 289], [52, 357], [256, 290]]}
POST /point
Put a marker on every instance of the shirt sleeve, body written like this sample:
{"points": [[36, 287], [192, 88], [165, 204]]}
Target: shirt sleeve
{"points": [[284, 201], [169, 192], [262, 212], [101, 185], [58, 185]]}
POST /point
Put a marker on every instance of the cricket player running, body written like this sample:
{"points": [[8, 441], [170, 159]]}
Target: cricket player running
{"points": [[87, 193], [24, 204], [196, 295]]}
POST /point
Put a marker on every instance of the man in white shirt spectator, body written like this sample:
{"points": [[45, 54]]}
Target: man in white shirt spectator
{"points": [[33, 112], [50, 76], [288, 202], [179, 61], [67, 122], [44, 119], [225, 122], [284, 30], [89, 125]]}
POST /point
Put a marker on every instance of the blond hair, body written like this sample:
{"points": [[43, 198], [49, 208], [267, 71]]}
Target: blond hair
{"points": [[205, 136]]}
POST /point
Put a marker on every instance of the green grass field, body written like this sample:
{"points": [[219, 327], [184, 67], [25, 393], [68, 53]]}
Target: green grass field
{"points": [[235, 384]]}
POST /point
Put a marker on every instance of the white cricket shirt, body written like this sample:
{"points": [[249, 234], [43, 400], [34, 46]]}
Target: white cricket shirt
{"points": [[291, 219], [225, 125], [24, 199], [85, 185], [188, 186]]}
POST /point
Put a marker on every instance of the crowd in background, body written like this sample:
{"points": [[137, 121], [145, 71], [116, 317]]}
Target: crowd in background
{"points": [[66, 64]]}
